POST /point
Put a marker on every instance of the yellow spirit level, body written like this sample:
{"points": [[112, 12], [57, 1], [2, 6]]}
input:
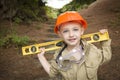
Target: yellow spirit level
{"points": [[53, 45]]}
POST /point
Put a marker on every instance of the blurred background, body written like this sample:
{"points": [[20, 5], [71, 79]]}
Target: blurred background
{"points": [[26, 22]]}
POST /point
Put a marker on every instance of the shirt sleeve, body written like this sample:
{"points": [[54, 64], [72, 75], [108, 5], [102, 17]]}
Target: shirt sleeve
{"points": [[54, 67], [95, 56], [106, 51]]}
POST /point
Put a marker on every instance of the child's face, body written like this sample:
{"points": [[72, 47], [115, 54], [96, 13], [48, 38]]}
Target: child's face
{"points": [[71, 33]]}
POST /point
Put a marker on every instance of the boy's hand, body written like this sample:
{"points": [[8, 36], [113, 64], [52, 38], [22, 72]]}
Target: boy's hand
{"points": [[42, 52], [102, 31]]}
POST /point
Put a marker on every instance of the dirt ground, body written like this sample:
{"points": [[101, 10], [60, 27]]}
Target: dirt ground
{"points": [[100, 14]]}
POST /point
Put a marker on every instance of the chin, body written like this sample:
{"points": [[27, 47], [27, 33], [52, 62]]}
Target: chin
{"points": [[72, 44]]}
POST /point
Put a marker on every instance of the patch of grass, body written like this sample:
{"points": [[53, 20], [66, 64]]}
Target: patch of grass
{"points": [[9, 37], [2, 42], [14, 40], [19, 41], [17, 20]]}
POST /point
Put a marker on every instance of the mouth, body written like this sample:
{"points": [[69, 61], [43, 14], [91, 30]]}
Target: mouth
{"points": [[72, 39]]}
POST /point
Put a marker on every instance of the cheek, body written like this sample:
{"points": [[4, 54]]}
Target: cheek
{"points": [[63, 36], [79, 33]]}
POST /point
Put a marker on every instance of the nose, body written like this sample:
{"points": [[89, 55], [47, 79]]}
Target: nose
{"points": [[71, 34]]}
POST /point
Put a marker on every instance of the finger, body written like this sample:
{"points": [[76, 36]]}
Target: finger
{"points": [[42, 51], [102, 31]]}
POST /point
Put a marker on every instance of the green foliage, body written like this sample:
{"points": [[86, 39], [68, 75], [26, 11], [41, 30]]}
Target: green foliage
{"points": [[29, 10], [22, 10], [2, 42], [17, 20], [51, 12], [17, 40], [14, 40], [32, 10], [76, 5], [8, 36]]}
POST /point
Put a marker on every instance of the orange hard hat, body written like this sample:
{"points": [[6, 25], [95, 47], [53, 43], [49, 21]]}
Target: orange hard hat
{"points": [[68, 17]]}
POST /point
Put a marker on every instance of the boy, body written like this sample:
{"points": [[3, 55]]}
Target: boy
{"points": [[76, 60]]}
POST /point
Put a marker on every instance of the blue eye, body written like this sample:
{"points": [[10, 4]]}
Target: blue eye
{"points": [[65, 31], [75, 29]]}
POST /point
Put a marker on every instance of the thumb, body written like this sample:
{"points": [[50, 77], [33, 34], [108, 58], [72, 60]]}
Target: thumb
{"points": [[42, 51]]}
